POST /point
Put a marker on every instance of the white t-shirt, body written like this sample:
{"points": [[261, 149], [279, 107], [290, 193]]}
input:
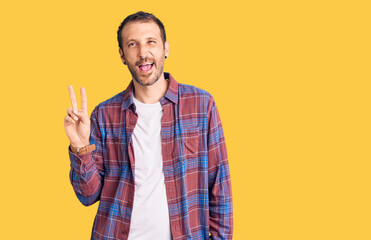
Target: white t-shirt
{"points": [[150, 216]]}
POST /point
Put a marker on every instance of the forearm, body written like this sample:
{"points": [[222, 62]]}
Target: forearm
{"points": [[221, 218], [220, 204], [220, 191], [85, 177]]}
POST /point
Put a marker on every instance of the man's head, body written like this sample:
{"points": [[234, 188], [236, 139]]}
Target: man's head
{"points": [[143, 47]]}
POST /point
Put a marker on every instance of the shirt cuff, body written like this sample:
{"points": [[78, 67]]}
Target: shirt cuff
{"points": [[79, 161]]}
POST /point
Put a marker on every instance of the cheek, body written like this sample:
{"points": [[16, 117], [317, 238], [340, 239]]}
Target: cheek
{"points": [[158, 52], [160, 56], [130, 54]]}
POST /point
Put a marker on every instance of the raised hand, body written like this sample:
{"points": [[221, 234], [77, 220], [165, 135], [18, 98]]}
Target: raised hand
{"points": [[77, 122]]}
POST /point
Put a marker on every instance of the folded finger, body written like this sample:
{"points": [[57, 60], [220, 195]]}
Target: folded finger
{"points": [[83, 116], [72, 114], [68, 119]]}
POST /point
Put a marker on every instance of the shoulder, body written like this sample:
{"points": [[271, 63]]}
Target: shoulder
{"points": [[110, 103], [189, 93]]}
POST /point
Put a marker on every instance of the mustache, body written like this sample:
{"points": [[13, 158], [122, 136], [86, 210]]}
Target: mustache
{"points": [[146, 60]]}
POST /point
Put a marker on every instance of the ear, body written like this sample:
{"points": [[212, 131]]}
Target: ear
{"points": [[166, 48], [122, 56]]}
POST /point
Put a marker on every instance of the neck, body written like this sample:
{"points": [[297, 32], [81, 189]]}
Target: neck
{"points": [[151, 94]]}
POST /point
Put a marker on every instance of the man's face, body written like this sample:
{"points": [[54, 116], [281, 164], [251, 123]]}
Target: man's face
{"points": [[144, 51]]}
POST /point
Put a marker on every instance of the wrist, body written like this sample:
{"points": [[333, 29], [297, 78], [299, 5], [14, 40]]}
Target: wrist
{"points": [[82, 150], [80, 145], [75, 147]]}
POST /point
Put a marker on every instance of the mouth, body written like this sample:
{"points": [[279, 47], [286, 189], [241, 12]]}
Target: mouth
{"points": [[145, 67]]}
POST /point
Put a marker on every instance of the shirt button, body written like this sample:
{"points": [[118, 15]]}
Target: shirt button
{"points": [[116, 139], [132, 122]]}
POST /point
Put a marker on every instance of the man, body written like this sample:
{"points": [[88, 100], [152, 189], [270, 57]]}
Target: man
{"points": [[154, 155]]}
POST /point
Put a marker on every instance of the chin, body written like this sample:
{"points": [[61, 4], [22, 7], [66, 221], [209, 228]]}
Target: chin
{"points": [[146, 81]]}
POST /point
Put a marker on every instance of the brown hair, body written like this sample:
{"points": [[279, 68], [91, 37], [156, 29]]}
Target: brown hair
{"points": [[140, 17]]}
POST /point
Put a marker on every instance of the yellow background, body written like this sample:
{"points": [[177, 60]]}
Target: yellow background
{"points": [[291, 80]]}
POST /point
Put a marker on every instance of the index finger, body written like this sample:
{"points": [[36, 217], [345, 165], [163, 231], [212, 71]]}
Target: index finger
{"points": [[84, 99], [72, 97]]}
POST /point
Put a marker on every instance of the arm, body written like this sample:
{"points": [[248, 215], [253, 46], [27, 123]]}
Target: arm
{"points": [[87, 170], [220, 192]]}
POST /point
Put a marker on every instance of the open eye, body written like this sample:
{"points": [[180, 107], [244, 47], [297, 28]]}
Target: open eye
{"points": [[131, 44]]}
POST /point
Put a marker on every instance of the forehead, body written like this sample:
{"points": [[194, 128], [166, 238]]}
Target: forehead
{"points": [[140, 30]]}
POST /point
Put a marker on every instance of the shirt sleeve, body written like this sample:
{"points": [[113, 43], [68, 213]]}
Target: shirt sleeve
{"points": [[87, 170], [219, 183]]}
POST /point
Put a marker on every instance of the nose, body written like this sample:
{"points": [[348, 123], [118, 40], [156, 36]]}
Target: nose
{"points": [[143, 52]]}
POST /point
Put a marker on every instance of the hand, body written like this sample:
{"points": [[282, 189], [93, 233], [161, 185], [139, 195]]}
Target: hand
{"points": [[77, 122]]}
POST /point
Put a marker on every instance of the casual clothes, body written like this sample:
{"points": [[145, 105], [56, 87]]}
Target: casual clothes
{"points": [[194, 159]]}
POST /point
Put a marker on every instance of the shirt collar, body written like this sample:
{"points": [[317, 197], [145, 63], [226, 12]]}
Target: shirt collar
{"points": [[171, 93]]}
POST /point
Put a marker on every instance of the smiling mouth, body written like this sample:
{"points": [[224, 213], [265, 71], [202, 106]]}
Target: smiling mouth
{"points": [[146, 67]]}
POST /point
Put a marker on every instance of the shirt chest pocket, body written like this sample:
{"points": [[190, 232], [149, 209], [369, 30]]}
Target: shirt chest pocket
{"points": [[191, 141], [114, 150]]}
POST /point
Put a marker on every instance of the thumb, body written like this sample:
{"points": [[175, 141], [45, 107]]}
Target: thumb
{"points": [[84, 117]]}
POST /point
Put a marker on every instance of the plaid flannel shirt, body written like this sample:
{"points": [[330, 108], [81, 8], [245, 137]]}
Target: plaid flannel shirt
{"points": [[195, 165]]}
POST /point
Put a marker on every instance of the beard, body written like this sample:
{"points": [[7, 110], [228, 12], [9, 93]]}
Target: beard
{"points": [[150, 78]]}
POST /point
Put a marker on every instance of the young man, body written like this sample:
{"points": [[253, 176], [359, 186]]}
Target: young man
{"points": [[154, 155]]}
